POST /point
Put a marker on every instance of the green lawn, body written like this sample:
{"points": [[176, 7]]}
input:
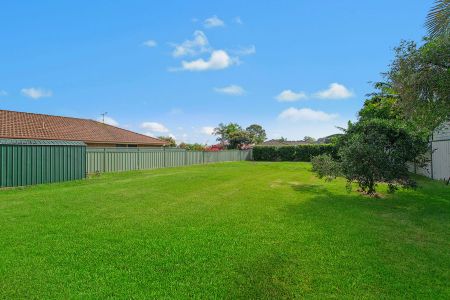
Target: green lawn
{"points": [[230, 230]]}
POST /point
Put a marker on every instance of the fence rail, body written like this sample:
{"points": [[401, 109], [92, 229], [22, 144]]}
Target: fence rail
{"points": [[117, 159]]}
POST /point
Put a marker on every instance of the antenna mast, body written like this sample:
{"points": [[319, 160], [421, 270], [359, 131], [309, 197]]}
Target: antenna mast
{"points": [[103, 116]]}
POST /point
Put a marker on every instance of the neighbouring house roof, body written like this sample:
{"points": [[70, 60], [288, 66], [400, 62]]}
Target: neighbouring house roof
{"points": [[283, 143], [20, 125], [40, 142]]}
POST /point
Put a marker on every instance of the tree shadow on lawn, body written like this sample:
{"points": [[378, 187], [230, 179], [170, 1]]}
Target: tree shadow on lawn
{"points": [[354, 246]]}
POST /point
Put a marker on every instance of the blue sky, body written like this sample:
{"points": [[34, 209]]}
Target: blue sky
{"points": [[181, 67]]}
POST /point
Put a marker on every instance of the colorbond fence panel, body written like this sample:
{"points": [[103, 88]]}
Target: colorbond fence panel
{"points": [[125, 159], [27, 162]]}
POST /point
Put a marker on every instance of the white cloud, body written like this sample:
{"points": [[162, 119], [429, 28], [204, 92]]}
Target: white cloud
{"points": [[335, 91], [248, 50], [208, 130], [108, 120], [150, 43], [290, 96], [214, 21], [305, 114], [233, 90], [238, 20], [195, 46], [154, 127], [36, 93], [218, 60]]}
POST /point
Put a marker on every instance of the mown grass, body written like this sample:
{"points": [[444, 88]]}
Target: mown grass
{"points": [[230, 230]]}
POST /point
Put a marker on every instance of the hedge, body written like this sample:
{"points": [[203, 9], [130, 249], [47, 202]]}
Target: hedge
{"points": [[292, 153]]}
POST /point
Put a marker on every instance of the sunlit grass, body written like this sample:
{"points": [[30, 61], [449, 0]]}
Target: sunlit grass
{"points": [[230, 230]]}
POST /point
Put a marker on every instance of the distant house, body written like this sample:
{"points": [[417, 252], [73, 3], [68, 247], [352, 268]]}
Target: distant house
{"points": [[20, 125], [280, 143]]}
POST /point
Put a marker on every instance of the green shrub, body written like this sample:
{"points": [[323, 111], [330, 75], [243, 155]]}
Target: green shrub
{"points": [[326, 167], [292, 153], [264, 153], [377, 150], [287, 153]]}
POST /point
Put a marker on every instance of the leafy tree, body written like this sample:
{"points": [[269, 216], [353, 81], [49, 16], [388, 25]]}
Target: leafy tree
{"points": [[420, 78], [326, 167], [438, 19], [170, 141], [381, 104], [309, 139], [377, 150], [237, 139], [192, 147], [257, 133], [224, 131]]}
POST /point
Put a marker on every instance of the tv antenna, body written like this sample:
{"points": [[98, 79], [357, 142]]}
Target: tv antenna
{"points": [[103, 116]]}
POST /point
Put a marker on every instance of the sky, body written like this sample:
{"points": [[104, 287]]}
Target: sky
{"points": [[179, 68]]}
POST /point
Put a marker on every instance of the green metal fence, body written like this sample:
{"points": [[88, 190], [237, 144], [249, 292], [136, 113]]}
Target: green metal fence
{"points": [[27, 162], [126, 159]]}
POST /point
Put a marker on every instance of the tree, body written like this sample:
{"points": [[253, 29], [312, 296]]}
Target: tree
{"points": [[223, 131], [438, 19], [238, 139], [381, 104], [192, 147], [257, 133], [309, 139], [420, 78], [233, 136], [377, 150], [170, 141]]}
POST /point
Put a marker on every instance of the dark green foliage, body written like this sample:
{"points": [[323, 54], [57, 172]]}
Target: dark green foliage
{"points": [[263, 153], [287, 153], [326, 167], [257, 133], [238, 139], [421, 79], [232, 136], [292, 153], [192, 147], [377, 150]]}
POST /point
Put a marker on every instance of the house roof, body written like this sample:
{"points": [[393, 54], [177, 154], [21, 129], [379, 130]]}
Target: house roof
{"points": [[40, 142], [283, 143], [20, 125]]}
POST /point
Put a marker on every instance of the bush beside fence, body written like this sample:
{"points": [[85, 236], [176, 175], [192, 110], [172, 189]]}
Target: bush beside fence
{"points": [[292, 153]]}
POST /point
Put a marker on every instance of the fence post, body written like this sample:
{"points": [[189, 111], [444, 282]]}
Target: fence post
{"points": [[203, 153], [104, 160], [138, 159], [185, 157], [164, 156]]}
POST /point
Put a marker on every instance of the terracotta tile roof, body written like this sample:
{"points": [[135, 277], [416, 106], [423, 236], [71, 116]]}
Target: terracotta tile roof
{"points": [[19, 125]]}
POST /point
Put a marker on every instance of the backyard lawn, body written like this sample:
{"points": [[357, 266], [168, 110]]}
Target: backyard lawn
{"points": [[227, 230]]}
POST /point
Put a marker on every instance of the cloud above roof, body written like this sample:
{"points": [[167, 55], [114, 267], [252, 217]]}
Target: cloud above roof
{"points": [[36, 93]]}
